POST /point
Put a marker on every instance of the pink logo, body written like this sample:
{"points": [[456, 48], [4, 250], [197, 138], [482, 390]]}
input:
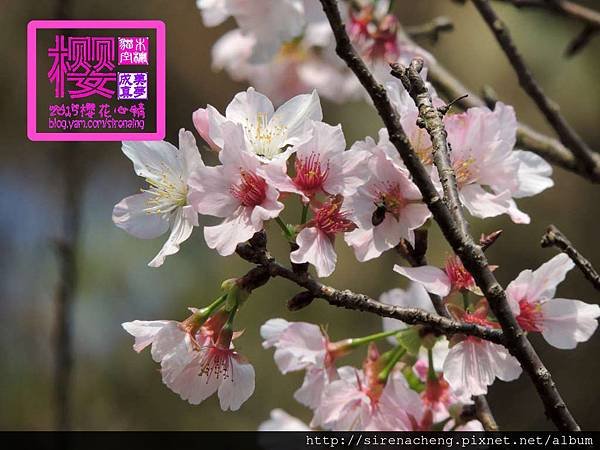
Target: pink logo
{"points": [[106, 80]]}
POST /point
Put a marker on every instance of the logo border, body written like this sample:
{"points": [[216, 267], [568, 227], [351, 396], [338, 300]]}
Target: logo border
{"points": [[35, 25]]}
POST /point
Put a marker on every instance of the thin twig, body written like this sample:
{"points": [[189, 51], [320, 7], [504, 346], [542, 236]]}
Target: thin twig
{"points": [[463, 245], [431, 30], [561, 7], [554, 237], [588, 161]]}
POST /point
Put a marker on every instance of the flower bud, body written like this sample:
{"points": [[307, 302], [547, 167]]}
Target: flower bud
{"points": [[300, 300]]}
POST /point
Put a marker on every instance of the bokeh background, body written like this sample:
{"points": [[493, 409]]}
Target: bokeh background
{"points": [[114, 388]]}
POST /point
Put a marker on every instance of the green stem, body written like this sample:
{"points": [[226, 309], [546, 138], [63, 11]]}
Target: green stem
{"points": [[356, 342], [397, 353], [284, 228], [209, 310], [304, 213]]}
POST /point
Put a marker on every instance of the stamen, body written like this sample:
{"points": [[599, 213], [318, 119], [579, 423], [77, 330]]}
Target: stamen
{"points": [[167, 189], [252, 191], [329, 219], [310, 176]]}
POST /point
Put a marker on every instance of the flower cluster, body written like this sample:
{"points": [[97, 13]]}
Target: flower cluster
{"points": [[286, 47], [365, 196]]}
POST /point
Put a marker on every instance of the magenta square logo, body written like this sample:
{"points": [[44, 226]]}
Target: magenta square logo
{"points": [[95, 80]]}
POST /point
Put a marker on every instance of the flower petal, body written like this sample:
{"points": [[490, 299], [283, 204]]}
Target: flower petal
{"points": [[238, 388], [130, 215], [183, 224], [567, 322], [432, 278], [315, 247], [144, 331], [228, 234], [296, 115]]}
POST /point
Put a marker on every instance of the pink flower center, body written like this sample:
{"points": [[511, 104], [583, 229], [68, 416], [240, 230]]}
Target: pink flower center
{"points": [[389, 197], [252, 191], [310, 174], [216, 362], [459, 277], [472, 318], [436, 392], [464, 171], [330, 220], [530, 317], [375, 36]]}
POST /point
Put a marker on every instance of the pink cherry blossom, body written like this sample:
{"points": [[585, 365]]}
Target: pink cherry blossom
{"points": [[196, 359], [216, 367], [562, 322], [489, 172], [303, 346], [269, 22], [354, 402], [388, 206], [322, 166], [453, 278], [235, 191], [267, 132], [164, 204], [315, 241], [299, 67], [473, 364], [282, 421]]}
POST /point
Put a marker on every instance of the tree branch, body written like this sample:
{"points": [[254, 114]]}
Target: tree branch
{"points": [[470, 254], [588, 160], [554, 237], [267, 265]]}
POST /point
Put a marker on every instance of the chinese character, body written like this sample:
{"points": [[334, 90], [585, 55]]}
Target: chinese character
{"points": [[133, 51], [133, 85], [88, 62]]}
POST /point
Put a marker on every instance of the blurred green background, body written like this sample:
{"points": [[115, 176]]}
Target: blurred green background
{"points": [[114, 388]]}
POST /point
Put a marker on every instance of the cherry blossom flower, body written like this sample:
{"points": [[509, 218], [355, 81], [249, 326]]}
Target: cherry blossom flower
{"points": [[316, 240], [303, 346], [453, 278], [562, 322], [358, 402], [269, 22], [322, 166], [197, 358], [387, 207], [216, 367], [282, 421], [267, 132], [489, 173], [472, 364], [235, 191], [164, 204]]}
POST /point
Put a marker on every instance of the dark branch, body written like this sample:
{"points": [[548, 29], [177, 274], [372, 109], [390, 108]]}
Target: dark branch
{"points": [[470, 254], [588, 161], [267, 265], [553, 237]]}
